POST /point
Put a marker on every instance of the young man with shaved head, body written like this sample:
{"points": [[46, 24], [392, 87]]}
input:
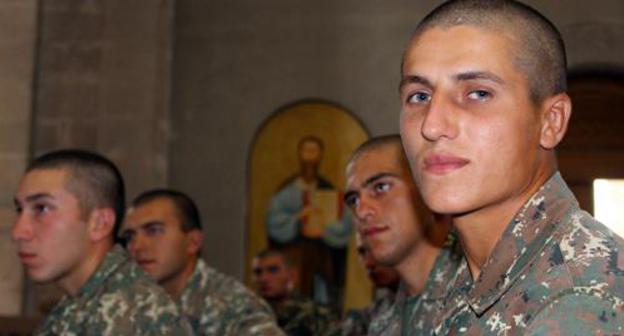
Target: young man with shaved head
{"points": [[274, 277], [163, 232], [401, 233], [68, 204], [483, 108]]}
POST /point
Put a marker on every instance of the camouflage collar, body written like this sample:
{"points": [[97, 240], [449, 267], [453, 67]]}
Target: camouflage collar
{"points": [[441, 276], [521, 243], [116, 257]]}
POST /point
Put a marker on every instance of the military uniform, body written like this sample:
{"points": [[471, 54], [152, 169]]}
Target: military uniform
{"points": [[414, 315], [118, 299], [216, 304], [555, 270], [300, 316], [356, 322]]}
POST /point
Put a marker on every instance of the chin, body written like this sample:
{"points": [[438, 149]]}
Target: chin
{"points": [[445, 203], [40, 278]]}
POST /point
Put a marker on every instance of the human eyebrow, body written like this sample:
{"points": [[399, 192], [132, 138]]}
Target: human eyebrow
{"points": [[414, 79], [152, 224], [483, 75], [377, 177], [37, 197]]}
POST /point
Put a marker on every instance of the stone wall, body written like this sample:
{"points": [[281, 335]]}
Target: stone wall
{"points": [[102, 83], [17, 42]]}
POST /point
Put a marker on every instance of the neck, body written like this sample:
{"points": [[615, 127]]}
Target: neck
{"points": [[80, 274], [276, 303], [480, 231], [309, 174], [176, 284], [414, 270]]}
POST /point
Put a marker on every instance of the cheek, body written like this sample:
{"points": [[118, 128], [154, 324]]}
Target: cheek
{"points": [[410, 128]]}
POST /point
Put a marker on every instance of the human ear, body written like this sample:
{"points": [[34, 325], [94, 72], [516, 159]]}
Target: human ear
{"points": [[195, 240], [101, 223], [555, 117]]}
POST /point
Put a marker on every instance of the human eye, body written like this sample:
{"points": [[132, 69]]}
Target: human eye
{"points": [[381, 187], [479, 95], [351, 200], [153, 230], [127, 237], [41, 208], [419, 97]]}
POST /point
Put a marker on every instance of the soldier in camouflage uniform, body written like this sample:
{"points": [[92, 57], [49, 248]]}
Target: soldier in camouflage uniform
{"points": [[385, 280], [484, 106], [162, 231], [401, 233], [68, 204], [297, 315]]}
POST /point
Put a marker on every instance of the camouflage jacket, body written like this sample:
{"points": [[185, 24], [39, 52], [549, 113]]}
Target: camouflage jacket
{"points": [[357, 321], [118, 299], [415, 315], [301, 316], [554, 271], [216, 304]]}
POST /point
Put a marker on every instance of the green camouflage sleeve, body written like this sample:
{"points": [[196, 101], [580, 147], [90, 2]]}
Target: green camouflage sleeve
{"points": [[578, 313], [251, 325]]}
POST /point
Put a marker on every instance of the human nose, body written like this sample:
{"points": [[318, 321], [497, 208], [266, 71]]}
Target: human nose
{"points": [[364, 209], [439, 121], [136, 245], [22, 228]]}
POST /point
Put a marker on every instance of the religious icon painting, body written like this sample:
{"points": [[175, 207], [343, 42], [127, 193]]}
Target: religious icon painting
{"points": [[297, 167]]}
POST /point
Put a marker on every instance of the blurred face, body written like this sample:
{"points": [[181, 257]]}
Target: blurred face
{"points": [[469, 129], [381, 276], [310, 153], [272, 277], [381, 194], [155, 240], [49, 229]]}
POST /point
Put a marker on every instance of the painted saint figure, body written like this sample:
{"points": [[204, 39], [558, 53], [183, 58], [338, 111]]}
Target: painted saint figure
{"points": [[306, 219]]}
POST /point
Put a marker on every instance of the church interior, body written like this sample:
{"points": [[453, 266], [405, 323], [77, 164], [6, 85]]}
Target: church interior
{"points": [[177, 92]]}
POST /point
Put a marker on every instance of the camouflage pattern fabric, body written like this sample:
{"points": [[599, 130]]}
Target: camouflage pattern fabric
{"points": [[415, 315], [216, 304], [555, 271], [118, 299], [356, 322], [301, 316]]}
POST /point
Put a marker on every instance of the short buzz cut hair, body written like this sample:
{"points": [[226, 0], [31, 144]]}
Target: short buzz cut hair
{"points": [[93, 179], [271, 252], [378, 142], [187, 211], [538, 48]]}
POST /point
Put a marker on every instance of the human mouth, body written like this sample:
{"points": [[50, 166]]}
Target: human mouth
{"points": [[440, 164], [374, 230], [146, 262], [27, 258]]}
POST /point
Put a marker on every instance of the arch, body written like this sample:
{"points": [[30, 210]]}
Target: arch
{"points": [[273, 163]]}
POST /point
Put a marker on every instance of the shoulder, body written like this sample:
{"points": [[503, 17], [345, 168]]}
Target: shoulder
{"points": [[134, 300], [580, 311], [578, 278], [591, 253]]}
